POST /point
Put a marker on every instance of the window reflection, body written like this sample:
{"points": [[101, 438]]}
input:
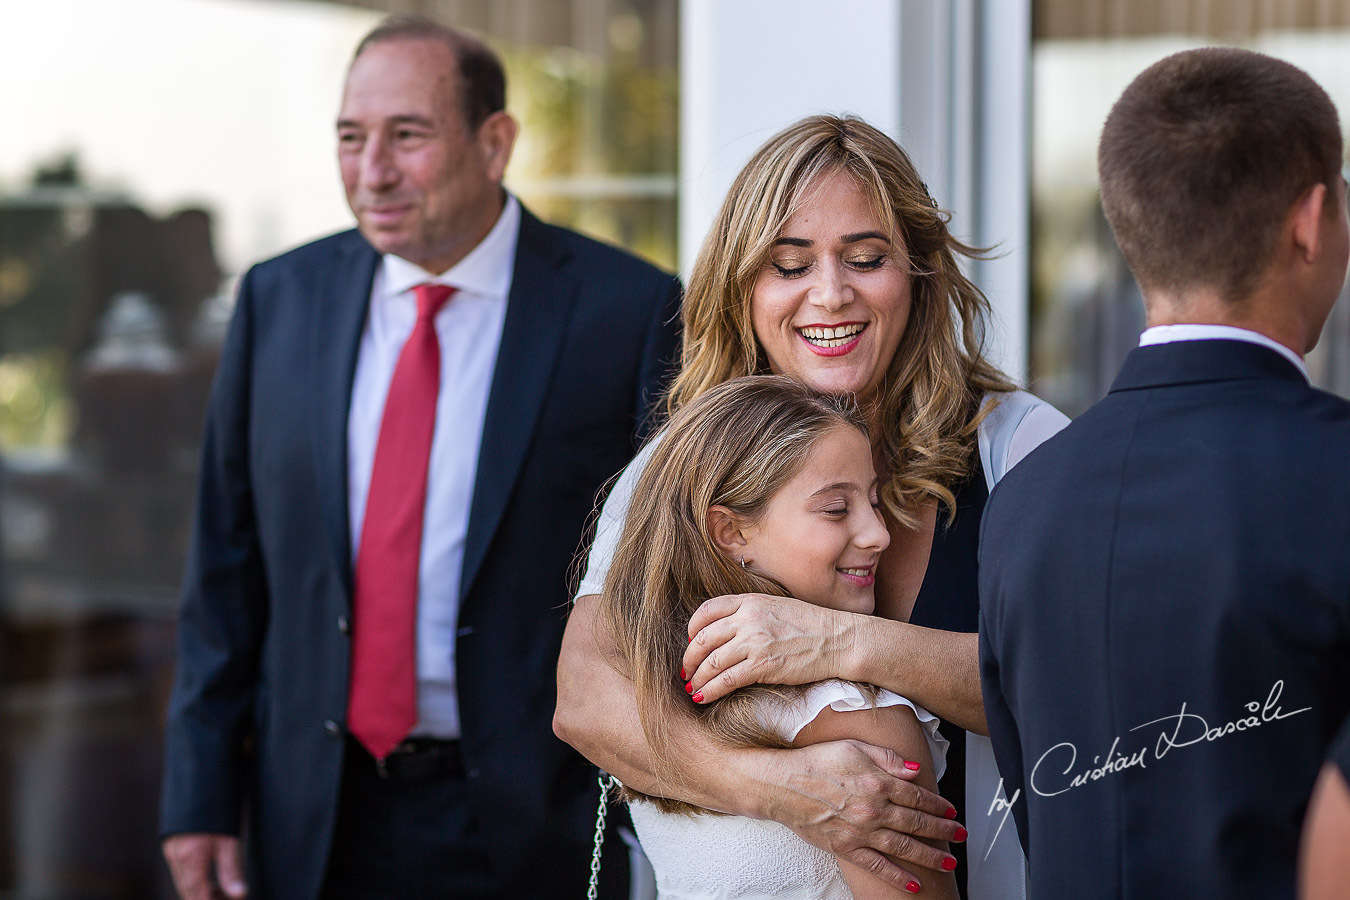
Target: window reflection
{"points": [[1086, 310], [176, 144]]}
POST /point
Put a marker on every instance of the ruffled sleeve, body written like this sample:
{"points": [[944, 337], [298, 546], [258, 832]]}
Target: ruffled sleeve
{"points": [[789, 718]]}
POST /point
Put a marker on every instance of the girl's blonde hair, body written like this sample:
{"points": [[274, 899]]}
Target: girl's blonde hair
{"points": [[931, 400], [736, 445]]}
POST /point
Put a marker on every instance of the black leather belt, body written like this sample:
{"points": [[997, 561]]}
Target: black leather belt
{"points": [[421, 759]]}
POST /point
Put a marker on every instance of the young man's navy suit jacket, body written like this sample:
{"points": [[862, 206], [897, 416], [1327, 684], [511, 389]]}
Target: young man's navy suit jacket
{"points": [[1163, 585]]}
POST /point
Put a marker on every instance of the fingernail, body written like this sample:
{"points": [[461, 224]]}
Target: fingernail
{"points": [[949, 863], [698, 698], [688, 688], [912, 766], [683, 677], [950, 814], [961, 835], [912, 887]]}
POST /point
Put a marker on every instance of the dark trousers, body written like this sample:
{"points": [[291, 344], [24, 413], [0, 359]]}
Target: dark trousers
{"points": [[406, 839]]}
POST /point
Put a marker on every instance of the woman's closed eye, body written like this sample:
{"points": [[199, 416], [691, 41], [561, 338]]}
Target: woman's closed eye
{"points": [[867, 263], [792, 268], [796, 268]]}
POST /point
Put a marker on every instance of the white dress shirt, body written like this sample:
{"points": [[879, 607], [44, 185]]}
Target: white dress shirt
{"points": [[469, 327], [1166, 334]]}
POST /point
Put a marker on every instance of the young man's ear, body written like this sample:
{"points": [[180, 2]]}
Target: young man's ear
{"points": [[727, 531], [1307, 220]]}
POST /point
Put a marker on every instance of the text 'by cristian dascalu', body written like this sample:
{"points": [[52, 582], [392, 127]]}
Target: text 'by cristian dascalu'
{"points": [[1057, 771]]}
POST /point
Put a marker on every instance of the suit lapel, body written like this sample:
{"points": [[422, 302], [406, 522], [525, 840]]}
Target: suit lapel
{"points": [[339, 315], [538, 309]]}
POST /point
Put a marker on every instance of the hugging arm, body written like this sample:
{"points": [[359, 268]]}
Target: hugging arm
{"points": [[755, 639], [853, 799]]}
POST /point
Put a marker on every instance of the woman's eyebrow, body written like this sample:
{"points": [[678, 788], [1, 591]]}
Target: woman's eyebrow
{"points": [[852, 238], [837, 486]]}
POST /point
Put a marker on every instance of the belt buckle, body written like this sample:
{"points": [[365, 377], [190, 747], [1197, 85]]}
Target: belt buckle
{"points": [[382, 764]]}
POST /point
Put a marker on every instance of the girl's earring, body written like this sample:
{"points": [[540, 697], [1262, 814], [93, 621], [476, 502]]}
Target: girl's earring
{"points": [[742, 562]]}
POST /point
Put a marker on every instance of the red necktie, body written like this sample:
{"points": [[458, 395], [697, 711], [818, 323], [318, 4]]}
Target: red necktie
{"points": [[382, 702]]}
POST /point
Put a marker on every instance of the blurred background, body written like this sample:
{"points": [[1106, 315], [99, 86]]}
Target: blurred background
{"points": [[153, 149]]}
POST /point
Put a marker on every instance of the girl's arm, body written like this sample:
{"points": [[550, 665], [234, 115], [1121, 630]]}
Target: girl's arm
{"points": [[896, 728]]}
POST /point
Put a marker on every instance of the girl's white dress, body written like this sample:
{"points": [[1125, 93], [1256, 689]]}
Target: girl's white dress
{"points": [[711, 857]]}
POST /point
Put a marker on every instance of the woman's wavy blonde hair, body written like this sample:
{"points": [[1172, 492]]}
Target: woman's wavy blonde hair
{"points": [[932, 399], [736, 445]]}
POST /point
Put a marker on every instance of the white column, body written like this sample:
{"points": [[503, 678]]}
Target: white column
{"points": [[1003, 183], [748, 68]]}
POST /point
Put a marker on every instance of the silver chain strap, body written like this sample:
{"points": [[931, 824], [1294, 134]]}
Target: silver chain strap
{"points": [[607, 781]]}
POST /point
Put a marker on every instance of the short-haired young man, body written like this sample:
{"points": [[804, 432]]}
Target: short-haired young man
{"points": [[1165, 585]]}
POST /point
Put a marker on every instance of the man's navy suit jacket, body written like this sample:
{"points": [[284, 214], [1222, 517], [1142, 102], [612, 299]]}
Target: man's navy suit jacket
{"points": [[1165, 627], [589, 338]]}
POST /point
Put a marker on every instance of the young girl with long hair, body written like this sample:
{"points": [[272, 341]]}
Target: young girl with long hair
{"points": [[760, 485]]}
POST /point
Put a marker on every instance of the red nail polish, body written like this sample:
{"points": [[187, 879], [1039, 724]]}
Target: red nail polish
{"points": [[912, 766], [683, 677], [912, 887], [950, 814], [688, 688], [961, 835], [949, 863], [698, 698]]}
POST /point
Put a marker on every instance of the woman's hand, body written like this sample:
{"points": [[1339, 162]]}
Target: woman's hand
{"points": [[756, 639], [858, 802]]}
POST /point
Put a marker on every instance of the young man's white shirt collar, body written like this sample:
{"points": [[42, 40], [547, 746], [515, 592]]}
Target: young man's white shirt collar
{"points": [[1166, 334]]}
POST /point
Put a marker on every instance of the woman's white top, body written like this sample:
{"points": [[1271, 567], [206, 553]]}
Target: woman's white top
{"points": [[711, 857], [1012, 429]]}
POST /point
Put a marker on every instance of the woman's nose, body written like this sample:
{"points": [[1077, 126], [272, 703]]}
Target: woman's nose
{"points": [[831, 290]]}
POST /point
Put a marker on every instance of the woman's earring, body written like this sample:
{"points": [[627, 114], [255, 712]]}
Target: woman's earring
{"points": [[742, 562]]}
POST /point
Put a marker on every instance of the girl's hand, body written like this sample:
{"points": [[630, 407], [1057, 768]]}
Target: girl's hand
{"points": [[756, 639]]}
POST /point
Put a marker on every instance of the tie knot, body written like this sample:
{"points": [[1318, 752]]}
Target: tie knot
{"points": [[430, 298]]}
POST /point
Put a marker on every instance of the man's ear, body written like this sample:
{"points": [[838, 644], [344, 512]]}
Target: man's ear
{"points": [[1306, 221], [496, 137], [727, 531]]}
